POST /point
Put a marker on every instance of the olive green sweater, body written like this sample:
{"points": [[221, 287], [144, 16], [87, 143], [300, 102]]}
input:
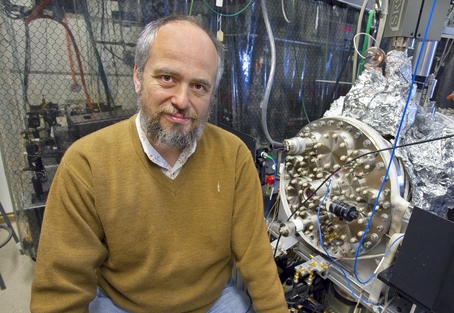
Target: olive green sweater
{"points": [[153, 244]]}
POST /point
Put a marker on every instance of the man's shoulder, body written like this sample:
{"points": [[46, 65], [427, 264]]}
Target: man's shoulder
{"points": [[218, 132], [224, 140], [112, 135]]}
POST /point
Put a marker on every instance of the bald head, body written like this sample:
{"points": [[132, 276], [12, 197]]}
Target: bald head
{"points": [[148, 36]]}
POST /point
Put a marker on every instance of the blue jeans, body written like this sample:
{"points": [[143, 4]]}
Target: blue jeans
{"points": [[232, 300]]}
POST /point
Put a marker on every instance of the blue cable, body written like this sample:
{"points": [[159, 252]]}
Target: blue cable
{"points": [[327, 253], [337, 263], [392, 151]]}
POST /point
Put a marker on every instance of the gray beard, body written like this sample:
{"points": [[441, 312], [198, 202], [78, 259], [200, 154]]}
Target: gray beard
{"points": [[174, 138]]}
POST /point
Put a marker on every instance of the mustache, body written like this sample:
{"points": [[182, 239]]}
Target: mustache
{"points": [[171, 110]]}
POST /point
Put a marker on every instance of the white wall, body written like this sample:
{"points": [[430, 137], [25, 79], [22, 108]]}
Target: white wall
{"points": [[5, 197]]}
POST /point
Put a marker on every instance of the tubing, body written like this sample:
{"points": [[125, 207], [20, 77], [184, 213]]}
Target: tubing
{"points": [[269, 84], [358, 29], [76, 49]]}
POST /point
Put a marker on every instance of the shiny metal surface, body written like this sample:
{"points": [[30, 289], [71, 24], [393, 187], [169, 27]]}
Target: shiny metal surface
{"points": [[339, 143]]}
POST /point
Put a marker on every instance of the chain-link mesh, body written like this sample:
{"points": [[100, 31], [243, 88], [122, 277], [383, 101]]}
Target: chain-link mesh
{"points": [[312, 41], [66, 71]]}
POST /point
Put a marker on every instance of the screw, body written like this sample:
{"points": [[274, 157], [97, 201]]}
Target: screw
{"points": [[374, 237]]}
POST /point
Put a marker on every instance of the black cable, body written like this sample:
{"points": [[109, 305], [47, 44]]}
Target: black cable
{"points": [[101, 71], [27, 61], [349, 162], [362, 155], [339, 76], [401, 146], [8, 10]]}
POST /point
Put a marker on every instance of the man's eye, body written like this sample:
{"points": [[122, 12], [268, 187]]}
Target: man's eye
{"points": [[166, 78], [199, 87]]}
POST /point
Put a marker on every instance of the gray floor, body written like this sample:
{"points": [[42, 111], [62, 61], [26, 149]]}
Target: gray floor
{"points": [[17, 272]]}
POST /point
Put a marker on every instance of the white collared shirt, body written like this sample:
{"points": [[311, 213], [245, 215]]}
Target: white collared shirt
{"points": [[155, 157]]}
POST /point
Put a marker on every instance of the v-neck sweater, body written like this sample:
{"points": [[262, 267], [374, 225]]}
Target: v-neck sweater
{"points": [[113, 220]]}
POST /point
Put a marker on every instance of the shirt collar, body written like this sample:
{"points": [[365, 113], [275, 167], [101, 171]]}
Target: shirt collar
{"points": [[156, 158]]}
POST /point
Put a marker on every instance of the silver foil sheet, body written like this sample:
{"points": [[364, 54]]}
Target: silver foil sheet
{"points": [[430, 165], [379, 100]]}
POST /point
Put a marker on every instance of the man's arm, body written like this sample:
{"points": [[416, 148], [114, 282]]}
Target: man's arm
{"points": [[70, 246]]}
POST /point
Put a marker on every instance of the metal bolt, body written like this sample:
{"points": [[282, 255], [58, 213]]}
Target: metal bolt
{"points": [[374, 237]]}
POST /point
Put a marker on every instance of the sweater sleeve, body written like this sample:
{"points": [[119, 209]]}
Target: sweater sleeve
{"points": [[70, 246], [250, 243]]}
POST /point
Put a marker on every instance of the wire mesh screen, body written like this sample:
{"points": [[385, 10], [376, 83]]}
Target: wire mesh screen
{"points": [[66, 71], [312, 41]]}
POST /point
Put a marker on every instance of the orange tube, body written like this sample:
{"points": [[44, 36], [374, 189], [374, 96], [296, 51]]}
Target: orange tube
{"points": [[35, 13], [68, 46], [76, 50]]}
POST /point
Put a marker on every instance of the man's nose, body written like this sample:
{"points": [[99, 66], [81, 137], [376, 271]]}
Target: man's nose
{"points": [[180, 98]]}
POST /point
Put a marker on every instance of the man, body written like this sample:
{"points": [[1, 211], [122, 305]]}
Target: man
{"points": [[149, 215]]}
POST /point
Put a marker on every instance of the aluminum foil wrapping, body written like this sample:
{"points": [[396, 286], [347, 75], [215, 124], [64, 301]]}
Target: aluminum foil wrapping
{"points": [[430, 165], [378, 101]]}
